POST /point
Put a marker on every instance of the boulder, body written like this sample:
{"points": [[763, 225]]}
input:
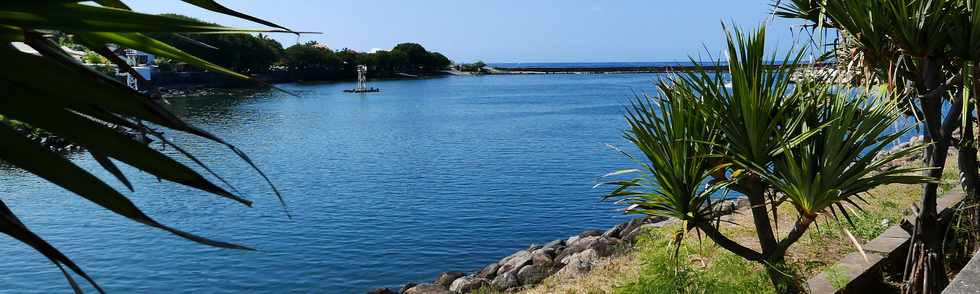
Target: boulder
{"points": [[515, 261], [447, 278], [607, 247], [614, 232], [489, 272], [382, 291], [724, 207], [407, 286], [571, 240], [742, 202], [590, 233], [428, 289], [554, 244], [631, 226], [507, 280], [578, 246], [544, 257], [467, 284], [579, 263], [533, 274]]}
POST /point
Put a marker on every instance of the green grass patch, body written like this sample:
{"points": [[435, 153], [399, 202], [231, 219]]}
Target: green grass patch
{"points": [[837, 277], [698, 267]]}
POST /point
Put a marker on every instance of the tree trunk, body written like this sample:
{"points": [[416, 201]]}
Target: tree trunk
{"points": [[760, 214], [967, 159], [925, 271], [783, 278]]}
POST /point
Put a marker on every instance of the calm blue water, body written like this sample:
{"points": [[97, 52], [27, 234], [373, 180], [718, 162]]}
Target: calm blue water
{"points": [[385, 188], [587, 64]]}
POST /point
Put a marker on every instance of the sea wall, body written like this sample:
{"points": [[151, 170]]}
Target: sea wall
{"points": [[570, 257]]}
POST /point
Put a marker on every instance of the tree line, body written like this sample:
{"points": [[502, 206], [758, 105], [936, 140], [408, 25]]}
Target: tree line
{"points": [[258, 54]]}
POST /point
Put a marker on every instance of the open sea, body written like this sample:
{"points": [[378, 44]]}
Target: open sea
{"points": [[432, 175]]}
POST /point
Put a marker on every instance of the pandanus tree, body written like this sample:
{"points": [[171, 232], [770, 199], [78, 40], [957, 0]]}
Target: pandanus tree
{"points": [[810, 145], [926, 50], [49, 89]]}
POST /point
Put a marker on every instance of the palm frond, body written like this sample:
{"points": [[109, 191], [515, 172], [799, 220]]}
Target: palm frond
{"points": [[96, 111]]}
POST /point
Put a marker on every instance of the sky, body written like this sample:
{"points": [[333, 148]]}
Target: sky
{"points": [[508, 30]]}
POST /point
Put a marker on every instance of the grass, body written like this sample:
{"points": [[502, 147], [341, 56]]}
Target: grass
{"points": [[699, 267], [837, 277], [703, 267]]}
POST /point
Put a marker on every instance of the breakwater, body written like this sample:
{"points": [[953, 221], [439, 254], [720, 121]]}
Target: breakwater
{"points": [[617, 69], [571, 257]]}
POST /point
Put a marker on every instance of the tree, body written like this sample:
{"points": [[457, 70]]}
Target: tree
{"points": [[927, 51], [240, 52], [439, 61], [415, 53], [806, 145], [88, 108]]}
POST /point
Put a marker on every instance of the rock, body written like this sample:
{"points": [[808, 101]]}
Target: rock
{"points": [[607, 247], [632, 225], [382, 291], [554, 244], [544, 257], [633, 228], [489, 272], [590, 233], [428, 289], [742, 202], [579, 263], [407, 286], [533, 274], [614, 232], [447, 278], [515, 261], [577, 246], [724, 207], [467, 284], [507, 280], [571, 240]]}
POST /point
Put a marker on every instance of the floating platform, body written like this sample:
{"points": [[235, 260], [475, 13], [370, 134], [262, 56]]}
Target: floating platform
{"points": [[368, 90]]}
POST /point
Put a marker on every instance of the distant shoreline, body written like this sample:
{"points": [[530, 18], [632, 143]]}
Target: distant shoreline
{"points": [[609, 70]]}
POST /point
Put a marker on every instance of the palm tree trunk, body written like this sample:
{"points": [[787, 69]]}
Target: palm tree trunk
{"points": [[967, 159], [760, 214], [926, 270], [784, 279]]}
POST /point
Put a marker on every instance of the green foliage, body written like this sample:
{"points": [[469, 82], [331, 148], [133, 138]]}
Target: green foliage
{"points": [[472, 67], [95, 111], [94, 58], [697, 268], [313, 61], [808, 144], [239, 52], [837, 277]]}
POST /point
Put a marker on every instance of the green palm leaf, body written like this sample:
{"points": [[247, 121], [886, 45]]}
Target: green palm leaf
{"points": [[89, 108]]}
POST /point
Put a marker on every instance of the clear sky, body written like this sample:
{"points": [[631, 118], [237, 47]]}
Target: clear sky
{"points": [[507, 30]]}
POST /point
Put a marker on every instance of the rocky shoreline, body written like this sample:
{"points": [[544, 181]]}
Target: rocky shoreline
{"points": [[571, 257]]}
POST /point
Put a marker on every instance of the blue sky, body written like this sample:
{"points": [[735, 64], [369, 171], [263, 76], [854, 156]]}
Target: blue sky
{"points": [[508, 30]]}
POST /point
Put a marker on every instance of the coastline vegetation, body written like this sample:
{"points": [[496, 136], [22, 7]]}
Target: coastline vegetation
{"points": [[310, 61], [94, 110], [651, 266], [805, 145], [801, 154]]}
